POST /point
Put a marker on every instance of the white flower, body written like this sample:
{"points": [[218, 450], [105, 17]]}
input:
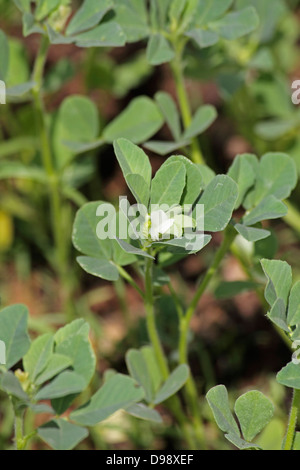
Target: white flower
{"points": [[160, 225]]}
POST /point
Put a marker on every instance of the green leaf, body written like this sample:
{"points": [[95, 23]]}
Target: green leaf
{"points": [[173, 384], [61, 405], [133, 250], [275, 129], [252, 234], [57, 364], [186, 14], [279, 275], [77, 327], [62, 435], [118, 393], [218, 401], [207, 12], [176, 10], [4, 61], [157, 13], [13, 332], [139, 189], [65, 384], [203, 37], [278, 315], [56, 38], [242, 172], [168, 184], [11, 385], [136, 169], [99, 267], [202, 120], [143, 412], [89, 15], [237, 24], [44, 8], [270, 13], [219, 199], [138, 123], [207, 174], [109, 34], [164, 148], [266, 248], [159, 50], [38, 356], [272, 436], [21, 171], [254, 412], [289, 376], [30, 26], [277, 176], [269, 208], [23, 5], [42, 408], [19, 69], [227, 290], [188, 244], [293, 317], [80, 147], [138, 369], [153, 367], [132, 16], [77, 122], [78, 348], [85, 237], [163, 7], [170, 112], [18, 91], [194, 179], [240, 443]]}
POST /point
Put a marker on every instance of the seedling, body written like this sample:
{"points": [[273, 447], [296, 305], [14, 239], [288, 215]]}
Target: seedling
{"points": [[253, 409], [57, 370], [258, 186]]}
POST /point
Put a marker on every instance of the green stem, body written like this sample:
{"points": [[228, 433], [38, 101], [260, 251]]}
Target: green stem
{"points": [[151, 325], [291, 431], [121, 294], [56, 202], [131, 281], [229, 236], [177, 68], [19, 430], [293, 217], [190, 388], [174, 402]]}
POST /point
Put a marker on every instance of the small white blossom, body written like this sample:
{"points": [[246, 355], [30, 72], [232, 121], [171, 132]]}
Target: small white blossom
{"points": [[160, 225]]}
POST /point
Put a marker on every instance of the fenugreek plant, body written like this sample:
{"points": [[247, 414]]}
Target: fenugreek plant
{"points": [[164, 235], [253, 410], [171, 29], [54, 161], [56, 371]]}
